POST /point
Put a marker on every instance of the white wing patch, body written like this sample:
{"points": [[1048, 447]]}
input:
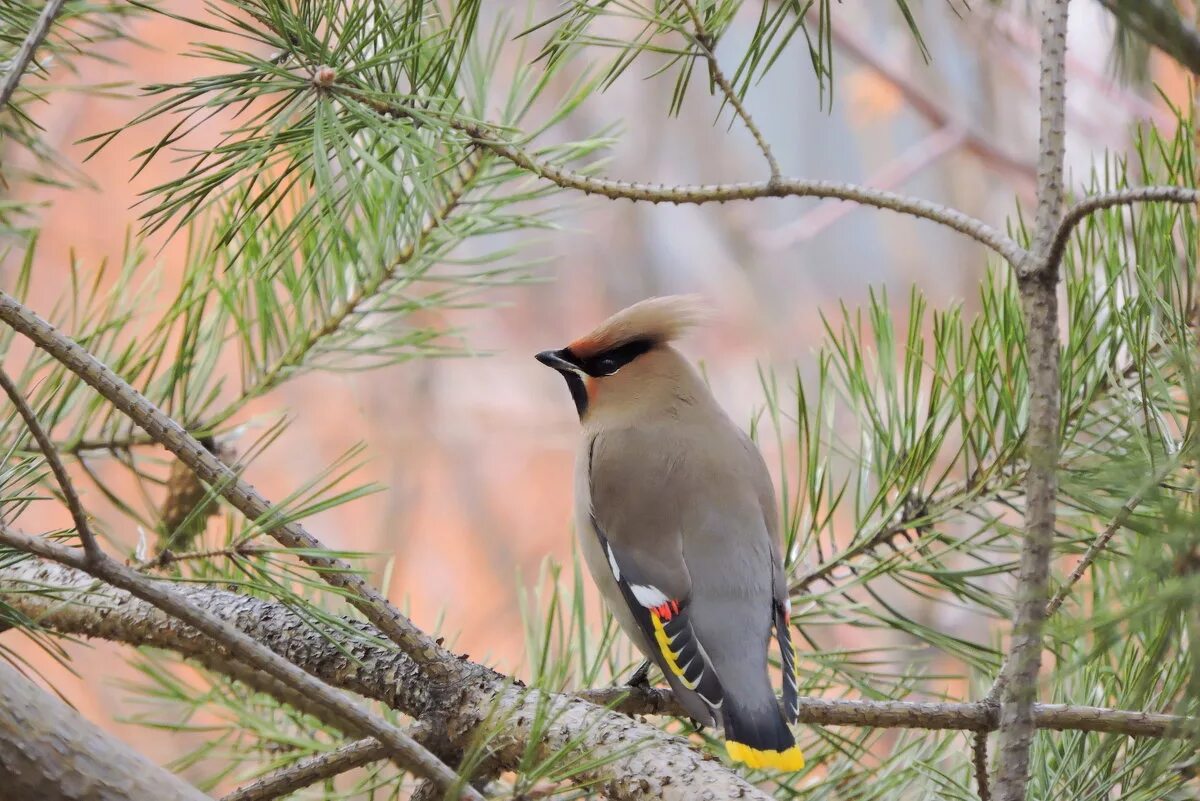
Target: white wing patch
{"points": [[646, 595], [612, 562]]}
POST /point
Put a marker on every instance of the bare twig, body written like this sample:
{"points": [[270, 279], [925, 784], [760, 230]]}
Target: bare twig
{"points": [[708, 46], [979, 756], [1124, 197], [78, 515], [169, 557], [1038, 283], [309, 771], [37, 35], [934, 716], [487, 137], [338, 709], [720, 193]]}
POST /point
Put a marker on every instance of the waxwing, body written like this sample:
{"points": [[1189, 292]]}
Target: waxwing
{"points": [[676, 518]]}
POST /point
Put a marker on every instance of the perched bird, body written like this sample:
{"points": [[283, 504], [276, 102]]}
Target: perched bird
{"points": [[676, 518]]}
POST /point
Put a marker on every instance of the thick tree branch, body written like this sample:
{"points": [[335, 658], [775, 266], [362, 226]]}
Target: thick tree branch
{"points": [[49, 752], [78, 515], [37, 35], [336, 708], [632, 761], [708, 46], [364, 667], [1038, 283]]}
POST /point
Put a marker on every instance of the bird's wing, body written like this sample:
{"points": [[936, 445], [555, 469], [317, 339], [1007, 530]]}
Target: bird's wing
{"points": [[781, 602], [640, 535]]}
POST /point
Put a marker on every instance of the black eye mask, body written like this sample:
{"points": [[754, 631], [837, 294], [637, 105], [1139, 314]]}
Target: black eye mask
{"points": [[602, 364], [612, 360]]}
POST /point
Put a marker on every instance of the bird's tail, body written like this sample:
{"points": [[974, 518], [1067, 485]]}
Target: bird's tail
{"points": [[760, 738]]}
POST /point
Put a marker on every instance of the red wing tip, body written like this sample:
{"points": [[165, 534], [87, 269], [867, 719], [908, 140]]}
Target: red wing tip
{"points": [[666, 611]]}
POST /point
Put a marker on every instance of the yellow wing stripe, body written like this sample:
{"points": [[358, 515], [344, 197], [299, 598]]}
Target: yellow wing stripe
{"points": [[669, 656], [790, 760]]}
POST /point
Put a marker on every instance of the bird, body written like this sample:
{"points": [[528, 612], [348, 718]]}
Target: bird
{"points": [[676, 518]]}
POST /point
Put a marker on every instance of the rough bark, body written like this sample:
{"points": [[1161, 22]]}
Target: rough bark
{"points": [[1038, 282], [643, 762], [49, 752], [377, 671]]}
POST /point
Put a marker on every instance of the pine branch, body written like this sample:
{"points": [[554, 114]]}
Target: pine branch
{"points": [[78, 608], [1094, 549], [529, 722], [1038, 284], [336, 708], [84, 531], [216, 473], [707, 46], [487, 137], [1161, 24], [37, 35], [957, 497], [1125, 197], [364, 293]]}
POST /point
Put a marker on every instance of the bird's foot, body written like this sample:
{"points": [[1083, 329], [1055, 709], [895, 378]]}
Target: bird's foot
{"points": [[640, 680]]}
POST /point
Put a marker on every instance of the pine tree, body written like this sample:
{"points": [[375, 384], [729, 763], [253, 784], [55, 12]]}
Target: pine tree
{"points": [[1032, 464]]}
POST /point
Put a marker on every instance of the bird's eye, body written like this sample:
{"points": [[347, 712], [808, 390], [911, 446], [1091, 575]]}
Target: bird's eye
{"points": [[606, 366]]}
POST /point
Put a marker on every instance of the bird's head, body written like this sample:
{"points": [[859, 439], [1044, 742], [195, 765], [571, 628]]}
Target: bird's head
{"points": [[627, 358]]}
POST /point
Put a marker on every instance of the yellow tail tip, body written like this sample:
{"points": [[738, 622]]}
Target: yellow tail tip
{"points": [[791, 759]]}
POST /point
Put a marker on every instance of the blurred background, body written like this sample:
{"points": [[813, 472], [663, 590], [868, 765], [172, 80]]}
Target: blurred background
{"points": [[475, 455]]}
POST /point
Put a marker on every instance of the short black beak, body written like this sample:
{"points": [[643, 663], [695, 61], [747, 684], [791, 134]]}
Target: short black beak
{"points": [[554, 358]]}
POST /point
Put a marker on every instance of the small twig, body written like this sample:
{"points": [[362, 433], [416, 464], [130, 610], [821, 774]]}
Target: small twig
{"points": [[168, 557], [708, 45], [20, 62], [309, 771], [339, 710], [929, 715], [1123, 197], [979, 756], [82, 528]]}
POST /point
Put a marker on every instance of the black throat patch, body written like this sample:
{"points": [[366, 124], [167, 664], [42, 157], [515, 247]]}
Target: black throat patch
{"points": [[578, 391]]}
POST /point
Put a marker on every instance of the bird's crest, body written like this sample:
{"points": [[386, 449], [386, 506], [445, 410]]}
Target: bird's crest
{"points": [[658, 320]]}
